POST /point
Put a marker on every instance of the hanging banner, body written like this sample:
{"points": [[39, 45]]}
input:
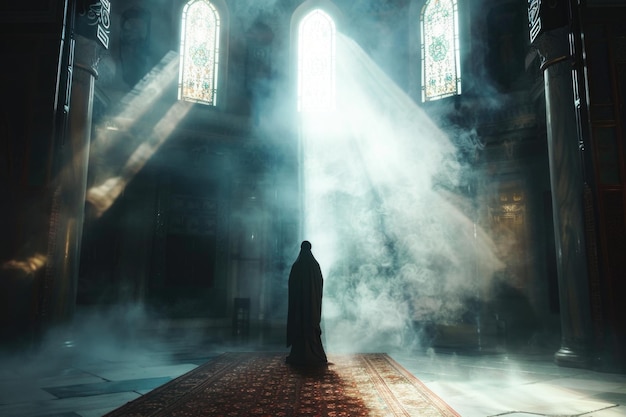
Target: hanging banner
{"points": [[93, 20], [546, 15], [534, 20]]}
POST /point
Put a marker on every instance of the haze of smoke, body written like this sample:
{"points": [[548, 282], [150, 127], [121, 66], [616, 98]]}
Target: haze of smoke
{"points": [[379, 177]]}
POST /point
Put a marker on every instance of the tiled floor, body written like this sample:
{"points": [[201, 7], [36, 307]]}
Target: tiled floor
{"points": [[93, 377]]}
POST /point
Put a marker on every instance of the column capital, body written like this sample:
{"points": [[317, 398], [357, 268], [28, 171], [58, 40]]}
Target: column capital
{"points": [[553, 47], [87, 54]]}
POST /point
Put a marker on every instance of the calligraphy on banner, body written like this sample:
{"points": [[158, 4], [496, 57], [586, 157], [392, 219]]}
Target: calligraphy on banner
{"points": [[94, 21]]}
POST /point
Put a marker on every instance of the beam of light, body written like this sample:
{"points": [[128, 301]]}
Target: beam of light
{"points": [[29, 265], [125, 116], [102, 196], [136, 103], [394, 246]]}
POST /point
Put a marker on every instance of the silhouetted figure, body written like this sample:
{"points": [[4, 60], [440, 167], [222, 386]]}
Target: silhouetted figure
{"points": [[305, 310]]}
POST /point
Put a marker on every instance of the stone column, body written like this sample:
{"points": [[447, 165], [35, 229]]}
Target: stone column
{"points": [[90, 20], [567, 183], [69, 197]]}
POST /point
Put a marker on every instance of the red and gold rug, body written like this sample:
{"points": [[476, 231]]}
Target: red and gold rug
{"points": [[261, 384]]}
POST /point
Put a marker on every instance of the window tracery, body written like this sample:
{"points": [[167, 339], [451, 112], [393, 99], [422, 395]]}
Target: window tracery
{"points": [[441, 67], [316, 62], [199, 53]]}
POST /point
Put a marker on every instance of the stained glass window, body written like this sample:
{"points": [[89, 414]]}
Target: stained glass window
{"points": [[199, 52], [441, 66], [316, 62]]}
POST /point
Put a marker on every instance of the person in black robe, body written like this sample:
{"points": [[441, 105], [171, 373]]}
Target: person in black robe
{"points": [[305, 310]]}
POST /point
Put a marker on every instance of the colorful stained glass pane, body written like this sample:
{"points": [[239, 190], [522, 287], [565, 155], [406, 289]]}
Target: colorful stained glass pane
{"points": [[316, 62], [441, 70], [199, 52]]}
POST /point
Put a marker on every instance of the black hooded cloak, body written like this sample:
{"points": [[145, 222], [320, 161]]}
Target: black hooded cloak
{"points": [[305, 310]]}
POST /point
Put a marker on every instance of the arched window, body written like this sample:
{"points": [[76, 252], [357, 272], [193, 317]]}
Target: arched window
{"points": [[441, 66], [316, 62], [199, 52]]}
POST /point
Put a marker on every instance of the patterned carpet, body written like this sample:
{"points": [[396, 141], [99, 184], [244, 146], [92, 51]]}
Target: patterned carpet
{"points": [[261, 384]]}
